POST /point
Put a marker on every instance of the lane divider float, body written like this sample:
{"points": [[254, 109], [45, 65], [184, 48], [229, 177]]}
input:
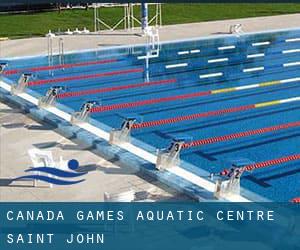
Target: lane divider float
{"points": [[296, 200], [65, 66], [234, 136], [161, 122], [265, 164], [188, 96], [81, 77], [116, 88]]}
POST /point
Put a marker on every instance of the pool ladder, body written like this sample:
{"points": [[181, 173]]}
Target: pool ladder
{"points": [[153, 48], [61, 53], [50, 53]]}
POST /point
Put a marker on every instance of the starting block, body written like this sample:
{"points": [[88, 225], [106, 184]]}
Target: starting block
{"points": [[231, 185], [170, 157], [22, 84], [236, 29], [50, 97], [227, 188], [122, 135], [3, 65], [84, 113]]}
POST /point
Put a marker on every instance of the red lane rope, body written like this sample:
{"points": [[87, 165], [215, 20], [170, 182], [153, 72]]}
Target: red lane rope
{"points": [[71, 78], [271, 162], [240, 134], [191, 117], [265, 164], [110, 89], [296, 200], [148, 102], [65, 66]]}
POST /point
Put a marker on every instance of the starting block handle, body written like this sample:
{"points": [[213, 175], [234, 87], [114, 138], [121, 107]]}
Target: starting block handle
{"points": [[169, 157], [22, 83], [122, 135], [50, 97], [84, 113], [3, 65]]}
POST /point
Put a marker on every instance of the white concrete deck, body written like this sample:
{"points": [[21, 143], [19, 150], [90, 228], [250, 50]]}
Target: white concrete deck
{"points": [[36, 46], [19, 133]]}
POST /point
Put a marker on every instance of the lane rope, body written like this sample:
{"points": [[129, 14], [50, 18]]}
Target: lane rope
{"points": [[80, 77], [111, 89], [263, 164], [240, 135], [268, 163], [211, 113], [65, 66], [188, 96], [296, 200]]}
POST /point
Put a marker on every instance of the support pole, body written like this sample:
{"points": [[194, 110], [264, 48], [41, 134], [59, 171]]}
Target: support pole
{"points": [[144, 16]]}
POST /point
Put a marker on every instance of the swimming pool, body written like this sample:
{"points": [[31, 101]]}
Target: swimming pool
{"points": [[231, 97]]}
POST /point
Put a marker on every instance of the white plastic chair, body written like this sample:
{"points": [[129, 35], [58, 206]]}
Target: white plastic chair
{"points": [[128, 196], [40, 158]]}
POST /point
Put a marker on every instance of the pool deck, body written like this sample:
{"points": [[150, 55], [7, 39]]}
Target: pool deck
{"points": [[18, 133], [38, 45], [106, 176]]}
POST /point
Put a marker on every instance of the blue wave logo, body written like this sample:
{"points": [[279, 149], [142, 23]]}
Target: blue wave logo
{"points": [[62, 174]]}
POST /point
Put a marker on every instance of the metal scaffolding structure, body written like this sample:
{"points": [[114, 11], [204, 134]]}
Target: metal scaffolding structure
{"points": [[129, 20]]}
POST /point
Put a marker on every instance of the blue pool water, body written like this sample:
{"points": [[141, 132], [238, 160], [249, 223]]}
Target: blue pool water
{"points": [[237, 61]]}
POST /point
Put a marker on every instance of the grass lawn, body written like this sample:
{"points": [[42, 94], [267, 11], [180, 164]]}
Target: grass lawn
{"points": [[25, 25]]}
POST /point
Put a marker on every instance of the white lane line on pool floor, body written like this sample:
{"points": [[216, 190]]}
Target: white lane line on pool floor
{"points": [[256, 55], [292, 40], [186, 52], [253, 69], [225, 59], [178, 65], [211, 75], [147, 56], [290, 51], [183, 52], [291, 64], [261, 43], [226, 47], [194, 51]]}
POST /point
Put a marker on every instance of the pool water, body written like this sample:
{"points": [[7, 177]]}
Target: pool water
{"points": [[193, 77]]}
